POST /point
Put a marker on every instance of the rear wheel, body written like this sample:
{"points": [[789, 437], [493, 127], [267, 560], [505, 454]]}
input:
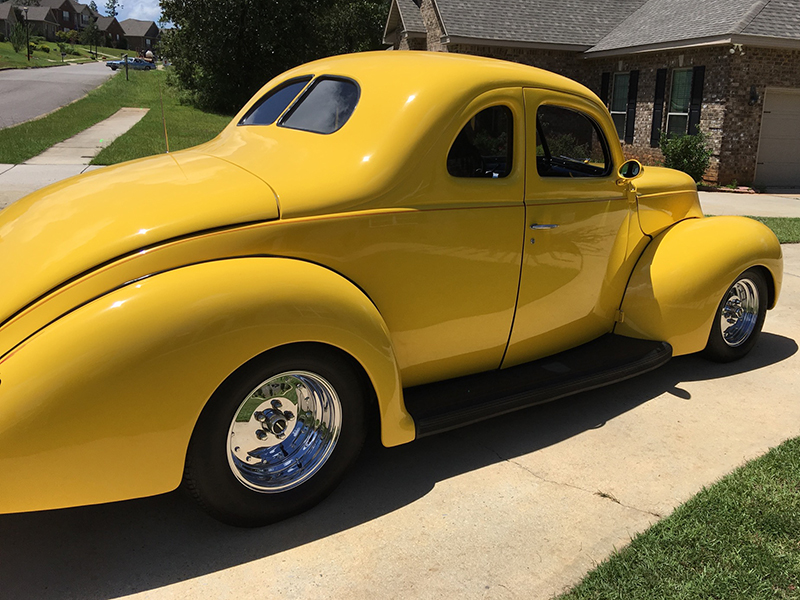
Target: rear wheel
{"points": [[277, 436], [739, 318]]}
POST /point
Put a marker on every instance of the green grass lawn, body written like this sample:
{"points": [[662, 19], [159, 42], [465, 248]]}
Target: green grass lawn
{"points": [[738, 539], [186, 126], [41, 58], [787, 229]]}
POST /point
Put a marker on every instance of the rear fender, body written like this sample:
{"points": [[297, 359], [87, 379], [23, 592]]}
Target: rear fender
{"points": [[100, 405], [682, 275]]}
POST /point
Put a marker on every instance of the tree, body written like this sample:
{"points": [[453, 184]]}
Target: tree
{"points": [[90, 36], [93, 7], [224, 50], [113, 7], [17, 37]]}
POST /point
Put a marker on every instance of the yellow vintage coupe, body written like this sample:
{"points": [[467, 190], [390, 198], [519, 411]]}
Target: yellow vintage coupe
{"points": [[401, 240]]}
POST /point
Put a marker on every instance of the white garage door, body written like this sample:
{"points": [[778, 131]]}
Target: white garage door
{"points": [[779, 149]]}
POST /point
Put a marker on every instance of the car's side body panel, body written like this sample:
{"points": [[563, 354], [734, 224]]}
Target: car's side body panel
{"points": [[576, 268], [682, 275], [100, 405]]}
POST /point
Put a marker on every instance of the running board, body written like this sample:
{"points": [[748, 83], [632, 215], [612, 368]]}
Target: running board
{"points": [[445, 405]]}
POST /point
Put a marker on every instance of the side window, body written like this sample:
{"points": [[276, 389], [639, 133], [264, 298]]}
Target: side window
{"points": [[569, 144], [274, 102], [484, 146]]}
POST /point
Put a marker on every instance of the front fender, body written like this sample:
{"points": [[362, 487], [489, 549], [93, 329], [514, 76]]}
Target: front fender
{"points": [[682, 275], [100, 405]]}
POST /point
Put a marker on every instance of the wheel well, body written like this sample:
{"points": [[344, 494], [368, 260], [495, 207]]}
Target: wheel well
{"points": [[319, 350], [770, 284]]}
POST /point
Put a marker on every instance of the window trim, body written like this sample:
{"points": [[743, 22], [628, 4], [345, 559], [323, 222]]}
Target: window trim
{"points": [[669, 100]]}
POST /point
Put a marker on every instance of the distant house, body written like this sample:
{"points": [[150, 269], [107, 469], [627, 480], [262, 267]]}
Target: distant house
{"points": [[113, 34], [7, 18], [66, 15], [141, 35], [729, 67], [40, 19]]}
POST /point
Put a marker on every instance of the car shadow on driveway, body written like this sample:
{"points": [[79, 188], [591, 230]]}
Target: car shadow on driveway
{"points": [[140, 545]]}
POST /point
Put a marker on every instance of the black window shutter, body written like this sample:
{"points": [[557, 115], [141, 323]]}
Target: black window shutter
{"points": [[658, 107], [630, 117], [698, 76], [605, 82]]}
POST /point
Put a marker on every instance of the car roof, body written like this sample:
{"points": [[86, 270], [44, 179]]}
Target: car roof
{"points": [[403, 72]]}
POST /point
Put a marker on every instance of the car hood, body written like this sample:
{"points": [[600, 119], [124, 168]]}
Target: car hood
{"points": [[66, 229]]}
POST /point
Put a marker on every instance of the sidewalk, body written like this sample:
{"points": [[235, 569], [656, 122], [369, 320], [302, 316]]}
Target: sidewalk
{"points": [[780, 203], [66, 159]]}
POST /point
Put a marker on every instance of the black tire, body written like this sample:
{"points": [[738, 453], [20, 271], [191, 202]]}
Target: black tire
{"points": [[215, 473], [745, 303]]}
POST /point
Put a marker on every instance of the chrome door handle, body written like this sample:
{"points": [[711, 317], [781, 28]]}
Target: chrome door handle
{"points": [[538, 226]]}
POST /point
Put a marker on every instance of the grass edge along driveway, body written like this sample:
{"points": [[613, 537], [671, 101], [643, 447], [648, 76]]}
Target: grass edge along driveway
{"points": [[186, 126], [740, 538]]}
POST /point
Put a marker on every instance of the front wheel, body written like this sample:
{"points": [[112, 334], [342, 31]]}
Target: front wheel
{"points": [[277, 437], [739, 318]]}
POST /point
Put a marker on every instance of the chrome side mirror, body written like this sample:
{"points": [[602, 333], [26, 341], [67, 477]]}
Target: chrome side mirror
{"points": [[630, 169]]}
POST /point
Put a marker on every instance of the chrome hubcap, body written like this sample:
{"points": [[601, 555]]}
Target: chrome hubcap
{"points": [[284, 431], [739, 313]]}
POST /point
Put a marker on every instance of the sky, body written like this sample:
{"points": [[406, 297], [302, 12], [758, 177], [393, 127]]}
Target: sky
{"points": [[146, 10]]}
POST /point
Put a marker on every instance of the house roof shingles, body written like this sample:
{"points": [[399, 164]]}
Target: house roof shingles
{"points": [[534, 21], [779, 18], [137, 28], [5, 10], [412, 18], [663, 21]]}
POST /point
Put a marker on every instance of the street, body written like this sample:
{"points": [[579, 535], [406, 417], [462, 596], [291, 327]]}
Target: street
{"points": [[29, 93]]}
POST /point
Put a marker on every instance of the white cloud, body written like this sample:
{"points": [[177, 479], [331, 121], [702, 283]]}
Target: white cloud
{"points": [[145, 10]]}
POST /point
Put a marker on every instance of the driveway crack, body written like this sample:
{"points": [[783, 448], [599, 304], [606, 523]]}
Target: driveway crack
{"points": [[601, 494]]}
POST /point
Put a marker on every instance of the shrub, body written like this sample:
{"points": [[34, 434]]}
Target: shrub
{"points": [[687, 153], [17, 37], [2, 37]]}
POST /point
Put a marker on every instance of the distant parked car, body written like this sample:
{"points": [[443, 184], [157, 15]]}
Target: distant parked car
{"points": [[133, 63]]}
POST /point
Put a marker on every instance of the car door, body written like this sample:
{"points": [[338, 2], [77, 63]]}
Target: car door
{"points": [[581, 237]]}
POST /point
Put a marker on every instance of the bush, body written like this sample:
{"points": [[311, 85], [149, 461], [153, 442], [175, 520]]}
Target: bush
{"points": [[44, 48], [2, 37], [687, 153], [17, 37]]}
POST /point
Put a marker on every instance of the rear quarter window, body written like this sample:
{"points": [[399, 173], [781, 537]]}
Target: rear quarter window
{"points": [[325, 107], [272, 104]]}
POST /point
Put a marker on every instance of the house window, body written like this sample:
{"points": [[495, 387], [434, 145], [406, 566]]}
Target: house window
{"points": [[680, 98], [619, 102], [65, 15], [147, 42], [483, 148]]}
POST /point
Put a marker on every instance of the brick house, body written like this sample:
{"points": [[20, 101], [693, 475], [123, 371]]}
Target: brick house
{"points": [[40, 19], [8, 18], [113, 34], [731, 67], [66, 15], [141, 35]]}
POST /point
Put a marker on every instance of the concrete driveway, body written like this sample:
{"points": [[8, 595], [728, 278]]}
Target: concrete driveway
{"points": [[29, 93], [518, 507]]}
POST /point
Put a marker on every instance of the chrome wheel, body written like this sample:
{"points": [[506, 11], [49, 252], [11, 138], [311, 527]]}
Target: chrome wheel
{"points": [[284, 431], [739, 314]]}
